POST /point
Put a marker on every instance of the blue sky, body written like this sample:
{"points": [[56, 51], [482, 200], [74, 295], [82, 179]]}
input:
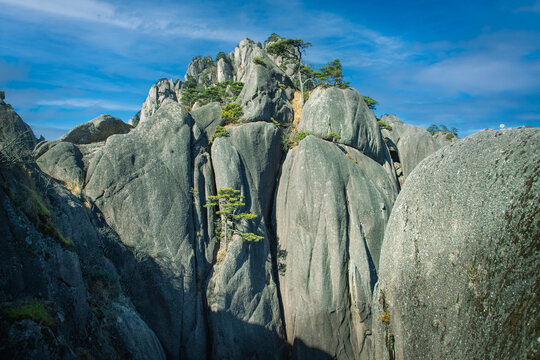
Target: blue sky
{"points": [[466, 64]]}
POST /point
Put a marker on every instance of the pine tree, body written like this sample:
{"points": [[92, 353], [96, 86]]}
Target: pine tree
{"points": [[229, 201]]}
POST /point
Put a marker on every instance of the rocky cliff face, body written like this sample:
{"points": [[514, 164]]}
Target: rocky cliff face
{"points": [[324, 213], [458, 269]]}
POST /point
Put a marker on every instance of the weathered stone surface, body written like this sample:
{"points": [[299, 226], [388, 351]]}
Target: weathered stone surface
{"points": [[159, 92], [459, 264], [52, 257], [61, 160], [243, 58], [224, 70], [203, 70], [444, 138], [141, 182], [137, 339], [414, 143], [344, 112], [242, 294], [262, 97], [331, 209], [208, 117], [14, 130], [98, 129]]}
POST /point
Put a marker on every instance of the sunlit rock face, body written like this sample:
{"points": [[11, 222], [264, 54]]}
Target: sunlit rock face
{"points": [[458, 267]]}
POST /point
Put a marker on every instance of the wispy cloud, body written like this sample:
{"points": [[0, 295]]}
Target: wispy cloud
{"points": [[89, 10], [532, 8], [89, 103], [152, 20]]}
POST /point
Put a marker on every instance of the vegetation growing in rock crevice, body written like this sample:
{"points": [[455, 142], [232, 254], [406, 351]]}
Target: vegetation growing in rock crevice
{"points": [[259, 61], [224, 91], [384, 125], [232, 222], [31, 309], [231, 113], [220, 131]]}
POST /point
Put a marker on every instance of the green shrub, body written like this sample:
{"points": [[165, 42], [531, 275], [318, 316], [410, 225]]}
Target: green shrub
{"points": [[384, 125], [231, 112], [221, 55], [300, 136], [272, 38], [258, 61], [449, 136], [334, 136], [30, 309], [372, 104], [220, 131]]}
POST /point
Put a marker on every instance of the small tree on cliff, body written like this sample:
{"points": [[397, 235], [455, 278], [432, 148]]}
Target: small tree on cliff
{"points": [[331, 74], [291, 50], [229, 201]]}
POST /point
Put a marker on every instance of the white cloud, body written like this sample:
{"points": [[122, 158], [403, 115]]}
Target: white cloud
{"points": [[149, 20], [89, 10], [89, 103], [481, 73]]}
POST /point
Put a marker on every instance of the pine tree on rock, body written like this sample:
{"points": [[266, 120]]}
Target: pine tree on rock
{"points": [[291, 50]]}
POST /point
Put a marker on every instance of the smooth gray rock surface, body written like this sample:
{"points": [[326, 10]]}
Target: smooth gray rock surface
{"points": [[159, 92], [242, 294], [243, 56], [141, 183], [224, 70], [344, 112], [414, 143], [331, 210], [262, 97], [458, 275], [63, 161], [137, 339], [98, 129], [208, 117]]}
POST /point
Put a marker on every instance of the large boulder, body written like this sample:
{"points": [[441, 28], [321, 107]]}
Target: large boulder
{"points": [[458, 274], [331, 210], [95, 130], [245, 317], [208, 117], [141, 183], [344, 112], [61, 160]]}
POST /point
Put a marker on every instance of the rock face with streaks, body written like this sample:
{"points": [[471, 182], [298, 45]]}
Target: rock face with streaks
{"points": [[458, 269], [331, 209]]}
